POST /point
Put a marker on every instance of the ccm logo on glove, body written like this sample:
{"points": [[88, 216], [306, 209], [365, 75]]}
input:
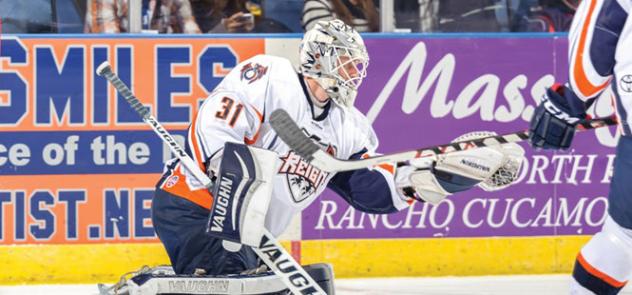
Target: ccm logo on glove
{"points": [[555, 111]]}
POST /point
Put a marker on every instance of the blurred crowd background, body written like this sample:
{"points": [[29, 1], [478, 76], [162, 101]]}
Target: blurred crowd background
{"points": [[283, 16]]}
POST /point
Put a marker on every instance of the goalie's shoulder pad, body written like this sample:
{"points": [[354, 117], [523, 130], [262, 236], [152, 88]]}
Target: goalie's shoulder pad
{"points": [[361, 129]]}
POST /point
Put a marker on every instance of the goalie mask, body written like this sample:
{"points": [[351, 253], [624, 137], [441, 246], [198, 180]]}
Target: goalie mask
{"points": [[334, 54]]}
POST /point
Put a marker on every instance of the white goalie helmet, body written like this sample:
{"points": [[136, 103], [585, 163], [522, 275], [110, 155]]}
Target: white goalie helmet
{"points": [[334, 54]]}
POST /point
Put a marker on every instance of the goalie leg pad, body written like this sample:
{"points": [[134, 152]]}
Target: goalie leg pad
{"points": [[152, 281], [163, 280], [242, 194], [181, 227], [323, 274]]}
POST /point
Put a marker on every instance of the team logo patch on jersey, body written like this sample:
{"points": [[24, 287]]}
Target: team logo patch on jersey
{"points": [[626, 83], [171, 181], [302, 178], [253, 72]]}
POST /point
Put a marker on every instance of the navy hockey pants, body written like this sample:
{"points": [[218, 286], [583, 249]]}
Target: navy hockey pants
{"points": [[620, 197], [180, 225]]}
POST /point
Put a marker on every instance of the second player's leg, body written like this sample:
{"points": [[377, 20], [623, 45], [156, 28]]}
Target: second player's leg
{"points": [[604, 264]]}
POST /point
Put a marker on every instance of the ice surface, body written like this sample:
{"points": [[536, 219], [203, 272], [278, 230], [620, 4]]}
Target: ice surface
{"points": [[486, 285]]}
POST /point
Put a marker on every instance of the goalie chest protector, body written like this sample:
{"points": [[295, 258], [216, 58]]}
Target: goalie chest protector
{"points": [[267, 83]]}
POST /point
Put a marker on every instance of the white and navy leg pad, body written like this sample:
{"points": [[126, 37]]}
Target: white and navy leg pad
{"points": [[163, 280], [241, 194], [151, 284]]}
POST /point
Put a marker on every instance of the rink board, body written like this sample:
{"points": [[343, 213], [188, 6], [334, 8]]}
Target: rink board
{"points": [[78, 168], [94, 263]]}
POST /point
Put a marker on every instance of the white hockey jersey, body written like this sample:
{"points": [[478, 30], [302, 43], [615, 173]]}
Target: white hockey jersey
{"points": [[600, 41], [237, 111]]}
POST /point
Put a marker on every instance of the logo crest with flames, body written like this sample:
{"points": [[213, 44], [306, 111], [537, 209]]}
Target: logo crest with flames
{"points": [[303, 179]]}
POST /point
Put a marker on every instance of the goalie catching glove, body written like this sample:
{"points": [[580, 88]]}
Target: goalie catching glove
{"points": [[491, 168]]}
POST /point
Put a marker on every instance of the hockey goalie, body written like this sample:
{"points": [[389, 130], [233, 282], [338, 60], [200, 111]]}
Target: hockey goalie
{"points": [[231, 139]]}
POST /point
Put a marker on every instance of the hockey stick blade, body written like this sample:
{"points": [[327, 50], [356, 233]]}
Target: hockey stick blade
{"points": [[294, 137], [275, 255]]}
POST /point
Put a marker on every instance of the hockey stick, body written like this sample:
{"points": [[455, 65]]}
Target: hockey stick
{"points": [[294, 137], [270, 251]]}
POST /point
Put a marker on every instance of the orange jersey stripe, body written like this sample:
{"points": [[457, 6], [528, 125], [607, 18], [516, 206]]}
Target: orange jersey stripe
{"points": [[252, 141], [595, 272], [586, 88], [176, 184], [195, 147], [388, 167]]}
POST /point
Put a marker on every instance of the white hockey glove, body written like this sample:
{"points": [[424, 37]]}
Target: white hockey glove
{"points": [[491, 168]]}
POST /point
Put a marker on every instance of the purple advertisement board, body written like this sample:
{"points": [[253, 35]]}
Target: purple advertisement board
{"points": [[424, 92]]}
